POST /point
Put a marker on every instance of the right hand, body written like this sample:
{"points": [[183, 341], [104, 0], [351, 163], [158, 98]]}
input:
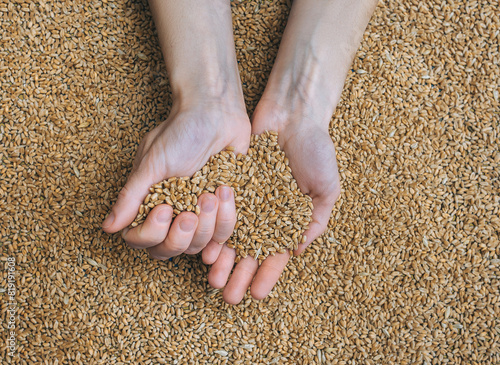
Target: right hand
{"points": [[311, 152], [180, 146]]}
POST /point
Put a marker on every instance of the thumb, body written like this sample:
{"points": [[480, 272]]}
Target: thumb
{"points": [[129, 200], [320, 217]]}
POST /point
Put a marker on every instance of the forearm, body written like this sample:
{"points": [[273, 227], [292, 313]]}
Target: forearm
{"points": [[318, 45], [196, 38]]}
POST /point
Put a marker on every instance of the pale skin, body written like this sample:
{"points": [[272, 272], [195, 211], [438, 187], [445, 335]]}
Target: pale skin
{"points": [[208, 114]]}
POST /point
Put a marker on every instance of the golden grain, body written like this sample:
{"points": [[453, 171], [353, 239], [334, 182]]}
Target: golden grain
{"points": [[407, 272], [263, 216]]}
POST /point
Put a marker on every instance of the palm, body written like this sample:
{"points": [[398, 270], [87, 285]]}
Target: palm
{"points": [[183, 143], [313, 162], [312, 158], [179, 147]]}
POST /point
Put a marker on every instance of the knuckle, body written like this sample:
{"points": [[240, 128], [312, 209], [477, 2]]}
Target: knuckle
{"points": [[221, 236], [206, 195], [142, 237], [177, 246], [225, 223], [133, 245], [194, 249], [204, 230], [156, 256], [149, 236]]}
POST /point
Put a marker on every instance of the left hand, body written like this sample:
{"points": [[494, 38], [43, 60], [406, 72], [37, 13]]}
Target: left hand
{"points": [[180, 146], [311, 152]]}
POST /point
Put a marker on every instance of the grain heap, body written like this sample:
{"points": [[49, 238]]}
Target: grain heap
{"points": [[407, 272], [272, 212]]}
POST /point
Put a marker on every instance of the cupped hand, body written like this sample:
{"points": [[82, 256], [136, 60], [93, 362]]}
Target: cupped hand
{"points": [[311, 153], [180, 146]]}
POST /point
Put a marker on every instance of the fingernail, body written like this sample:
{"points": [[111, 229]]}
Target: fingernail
{"points": [[225, 193], [187, 225], [208, 204], [109, 220], [163, 216]]}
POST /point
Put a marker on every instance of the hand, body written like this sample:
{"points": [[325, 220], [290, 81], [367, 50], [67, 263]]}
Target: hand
{"points": [[179, 147], [302, 92], [311, 152], [208, 114]]}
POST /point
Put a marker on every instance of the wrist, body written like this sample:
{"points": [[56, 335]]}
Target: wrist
{"points": [[210, 83], [303, 89], [314, 57], [296, 100], [197, 42], [221, 106]]}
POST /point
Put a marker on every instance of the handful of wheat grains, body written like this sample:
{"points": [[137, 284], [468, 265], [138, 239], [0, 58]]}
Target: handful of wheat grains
{"points": [[272, 212]]}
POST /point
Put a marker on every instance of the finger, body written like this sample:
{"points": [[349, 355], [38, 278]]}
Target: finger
{"points": [[240, 280], [153, 231], [178, 239], [242, 142], [226, 214], [268, 275], [259, 128], [211, 252], [129, 200], [206, 223], [320, 217], [220, 270], [261, 119]]}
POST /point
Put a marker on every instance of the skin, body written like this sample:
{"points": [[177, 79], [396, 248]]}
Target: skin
{"points": [[302, 92], [208, 114]]}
